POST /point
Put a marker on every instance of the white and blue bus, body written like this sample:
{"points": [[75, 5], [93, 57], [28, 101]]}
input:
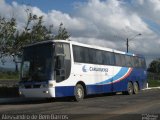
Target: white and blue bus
{"points": [[62, 68]]}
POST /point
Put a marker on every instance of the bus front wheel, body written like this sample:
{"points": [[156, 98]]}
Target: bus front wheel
{"points": [[79, 92]]}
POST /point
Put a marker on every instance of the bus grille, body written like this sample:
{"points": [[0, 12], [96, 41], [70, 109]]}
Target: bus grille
{"points": [[32, 86]]}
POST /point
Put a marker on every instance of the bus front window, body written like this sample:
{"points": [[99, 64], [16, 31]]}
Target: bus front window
{"points": [[37, 63]]}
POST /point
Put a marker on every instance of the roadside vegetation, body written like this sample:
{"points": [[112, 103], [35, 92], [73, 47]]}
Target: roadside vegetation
{"points": [[154, 73], [9, 75], [153, 83], [153, 79]]}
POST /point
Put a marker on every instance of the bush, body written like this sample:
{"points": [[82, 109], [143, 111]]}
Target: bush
{"points": [[154, 83], [9, 75]]}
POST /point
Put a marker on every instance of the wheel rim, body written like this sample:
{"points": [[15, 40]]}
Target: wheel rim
{"points": [[130, 88], [79, 92], [135, 88]]}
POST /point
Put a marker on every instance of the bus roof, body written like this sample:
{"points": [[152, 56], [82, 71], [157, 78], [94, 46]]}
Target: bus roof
{"points": [[84, 45]]}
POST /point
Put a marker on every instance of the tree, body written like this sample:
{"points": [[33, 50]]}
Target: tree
{"points": [[62, 33], [33, 32], [154, 66], [7, 30], [12, 40]]}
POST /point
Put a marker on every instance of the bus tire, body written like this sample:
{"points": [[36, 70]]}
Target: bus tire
{"points": [[79, 92], [135, 88], [130, 88]]}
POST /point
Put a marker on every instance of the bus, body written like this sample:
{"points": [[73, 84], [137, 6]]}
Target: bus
{"points": [[63, 68]]}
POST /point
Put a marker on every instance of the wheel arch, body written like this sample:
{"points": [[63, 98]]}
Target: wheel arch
{"points": [[84, 86]]}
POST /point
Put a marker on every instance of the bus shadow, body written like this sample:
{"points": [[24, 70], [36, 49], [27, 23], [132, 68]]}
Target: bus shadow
{"points": [[23, 101], [104, 94]]}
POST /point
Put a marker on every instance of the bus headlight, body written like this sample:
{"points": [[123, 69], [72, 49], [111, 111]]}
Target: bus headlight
{"points": [[20, 93], [51, 85]]}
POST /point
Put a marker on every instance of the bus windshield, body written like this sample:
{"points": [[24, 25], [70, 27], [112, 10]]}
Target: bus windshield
{"points": [[37, 62]]}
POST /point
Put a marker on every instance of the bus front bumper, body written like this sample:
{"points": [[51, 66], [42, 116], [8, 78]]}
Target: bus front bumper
{"points": [[38, 92]]}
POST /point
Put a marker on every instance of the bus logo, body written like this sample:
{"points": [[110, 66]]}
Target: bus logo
{"points": [[95, 69], [85, 68]]}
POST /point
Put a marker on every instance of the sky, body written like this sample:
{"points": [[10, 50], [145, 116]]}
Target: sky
{"points": [[106, 23]]}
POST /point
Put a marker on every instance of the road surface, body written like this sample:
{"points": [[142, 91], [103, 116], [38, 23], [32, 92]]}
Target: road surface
{"points": [[144, 105]]}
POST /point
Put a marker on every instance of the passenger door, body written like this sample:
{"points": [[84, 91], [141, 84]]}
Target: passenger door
{"points": [[62, 61]]}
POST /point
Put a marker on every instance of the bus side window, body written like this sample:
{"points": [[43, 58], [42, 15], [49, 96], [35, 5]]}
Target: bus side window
{"points": [[111, 58], [142, 63], [78, 54], [123, 60], [128, 61], [136, 61], [98, 57], [92, 54], [86, 55], [106, 58], [118, 60], [133, 61]]}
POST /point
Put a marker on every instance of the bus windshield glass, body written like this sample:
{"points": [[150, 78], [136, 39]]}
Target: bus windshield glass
{"points": [[37, 62]]}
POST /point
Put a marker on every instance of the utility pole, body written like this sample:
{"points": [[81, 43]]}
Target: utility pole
{"points": [[127, 45], [127, 42]]}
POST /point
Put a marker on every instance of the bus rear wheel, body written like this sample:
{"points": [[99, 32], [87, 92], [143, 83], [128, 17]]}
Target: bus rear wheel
{"points": [[135, 88], [130, 88], [79, 92]]}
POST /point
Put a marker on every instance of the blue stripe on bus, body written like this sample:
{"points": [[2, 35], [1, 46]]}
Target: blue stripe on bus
{"points": [[62, 91]]}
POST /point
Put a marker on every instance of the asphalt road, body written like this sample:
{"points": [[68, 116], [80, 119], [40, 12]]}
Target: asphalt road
{"points": [[144, 105]]}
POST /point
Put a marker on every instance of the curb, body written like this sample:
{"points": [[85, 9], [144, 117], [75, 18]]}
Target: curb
{"points": [[151, 88]]}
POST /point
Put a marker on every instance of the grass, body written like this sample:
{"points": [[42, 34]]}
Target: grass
{"points": [[9, 75], [154, 83]]}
